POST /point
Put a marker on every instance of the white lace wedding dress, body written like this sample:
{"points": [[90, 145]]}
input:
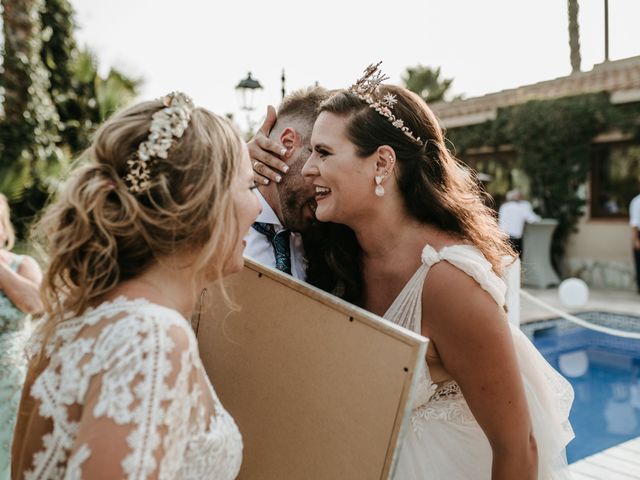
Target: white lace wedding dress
{"points": [[445, 441], [123, 394]]}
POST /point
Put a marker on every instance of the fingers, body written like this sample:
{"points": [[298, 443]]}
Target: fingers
{"points": [[268, 145], [259, 179], [269, 121], [262, 172], [266, 151]]}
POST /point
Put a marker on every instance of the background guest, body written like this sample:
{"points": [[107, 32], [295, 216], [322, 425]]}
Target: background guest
{"points": [[513, 215], [20, 278]]}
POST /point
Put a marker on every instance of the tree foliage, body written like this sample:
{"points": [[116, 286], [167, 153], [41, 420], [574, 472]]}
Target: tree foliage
{"points": [[29, 131], [54, 99], [552, 140], [426, 82]]}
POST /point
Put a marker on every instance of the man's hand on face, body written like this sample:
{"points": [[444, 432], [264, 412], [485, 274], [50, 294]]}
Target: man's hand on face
{"points": [[266, 154]]}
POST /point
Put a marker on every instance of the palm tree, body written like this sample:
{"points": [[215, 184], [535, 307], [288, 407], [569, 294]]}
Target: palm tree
{"points": [[102, 96], [82, 97], [574, 35], [115, 91], [426, 82]]}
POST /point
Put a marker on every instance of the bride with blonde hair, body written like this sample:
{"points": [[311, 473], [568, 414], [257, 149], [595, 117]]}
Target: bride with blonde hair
{"points": [[115, 387]]}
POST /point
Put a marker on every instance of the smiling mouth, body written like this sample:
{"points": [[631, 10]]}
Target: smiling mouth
{"points": [[322, 192]]}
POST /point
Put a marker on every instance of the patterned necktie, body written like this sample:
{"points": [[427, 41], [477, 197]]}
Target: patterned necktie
{"points": [[280, 243]]}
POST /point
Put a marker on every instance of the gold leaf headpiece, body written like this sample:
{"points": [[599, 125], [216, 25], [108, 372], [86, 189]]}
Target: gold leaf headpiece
{"points": [[365, 89]]}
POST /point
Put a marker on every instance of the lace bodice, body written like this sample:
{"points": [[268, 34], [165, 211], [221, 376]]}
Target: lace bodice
{"points": [[123, 392], [441, 401]]}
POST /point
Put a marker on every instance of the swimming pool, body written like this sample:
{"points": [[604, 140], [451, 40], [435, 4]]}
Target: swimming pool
{"points": [[605, 373]]}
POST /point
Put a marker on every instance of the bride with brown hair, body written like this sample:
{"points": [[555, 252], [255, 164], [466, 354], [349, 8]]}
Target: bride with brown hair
{"points": [[418, 246], [427, 255], [115, 387]]}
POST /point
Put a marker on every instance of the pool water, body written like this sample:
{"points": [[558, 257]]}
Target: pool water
{"points": [[605, 373]]}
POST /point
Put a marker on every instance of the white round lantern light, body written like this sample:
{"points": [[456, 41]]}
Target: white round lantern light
{"points": [[573, 292]]}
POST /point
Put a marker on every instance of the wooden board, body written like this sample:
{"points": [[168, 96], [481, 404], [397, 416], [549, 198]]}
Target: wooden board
{"points": [[320, 389]]}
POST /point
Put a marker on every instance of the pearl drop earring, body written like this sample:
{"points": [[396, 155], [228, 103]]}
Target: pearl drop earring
{"points": [[379, 188]]}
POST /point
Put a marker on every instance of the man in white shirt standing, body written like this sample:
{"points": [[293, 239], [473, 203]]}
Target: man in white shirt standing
{"points": [[634, 221], [288, 204], [513, 215]]}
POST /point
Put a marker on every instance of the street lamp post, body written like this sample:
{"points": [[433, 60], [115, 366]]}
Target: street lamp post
{"points": [[606, 30], [245, 90]]}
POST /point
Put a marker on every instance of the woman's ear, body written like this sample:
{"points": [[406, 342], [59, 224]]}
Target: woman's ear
{"points": [[385, 160]]}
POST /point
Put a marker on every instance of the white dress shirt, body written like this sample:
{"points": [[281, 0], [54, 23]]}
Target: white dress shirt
{"points": [[634, 212], [513, 215], [260, 249]]}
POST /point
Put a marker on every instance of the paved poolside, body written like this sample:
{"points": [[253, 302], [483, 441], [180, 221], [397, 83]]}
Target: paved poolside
{"points": [[621, 462], [600, 300]]}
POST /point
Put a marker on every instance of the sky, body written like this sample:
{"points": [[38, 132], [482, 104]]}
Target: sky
{"points": [[205, 47]]}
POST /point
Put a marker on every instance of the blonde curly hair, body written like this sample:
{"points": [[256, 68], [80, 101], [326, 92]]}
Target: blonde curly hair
{"points": [[97, 234]]}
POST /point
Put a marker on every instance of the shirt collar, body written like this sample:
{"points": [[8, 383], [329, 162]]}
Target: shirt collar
{"points": [[267, 215]]}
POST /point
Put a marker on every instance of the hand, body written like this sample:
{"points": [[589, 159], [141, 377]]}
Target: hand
{"points": [[265, 153]]}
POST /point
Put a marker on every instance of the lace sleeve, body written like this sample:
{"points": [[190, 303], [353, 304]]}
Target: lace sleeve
{"points": [[140, 401]]}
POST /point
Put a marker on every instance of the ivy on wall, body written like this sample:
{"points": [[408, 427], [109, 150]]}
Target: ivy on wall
{"points": [[552, 141]]}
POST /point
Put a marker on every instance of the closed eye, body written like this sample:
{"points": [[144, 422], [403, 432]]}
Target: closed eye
{"points": [[322, 152]]}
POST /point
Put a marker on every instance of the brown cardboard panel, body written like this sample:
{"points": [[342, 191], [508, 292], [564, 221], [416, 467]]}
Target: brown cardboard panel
{"points": [[318, 387]]}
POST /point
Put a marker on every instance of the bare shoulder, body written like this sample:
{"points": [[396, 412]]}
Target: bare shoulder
{"points": [[30, 269], [452, 298]]}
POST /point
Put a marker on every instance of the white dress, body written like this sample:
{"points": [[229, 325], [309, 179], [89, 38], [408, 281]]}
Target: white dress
{"points": [[444, 440], [131, 371]]}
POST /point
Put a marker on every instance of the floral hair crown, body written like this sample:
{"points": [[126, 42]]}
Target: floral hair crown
{"points": [[365, 89], [166, 124]]}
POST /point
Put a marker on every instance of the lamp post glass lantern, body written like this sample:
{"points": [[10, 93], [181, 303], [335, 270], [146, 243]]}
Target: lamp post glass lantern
{"points": [[245, 91]]}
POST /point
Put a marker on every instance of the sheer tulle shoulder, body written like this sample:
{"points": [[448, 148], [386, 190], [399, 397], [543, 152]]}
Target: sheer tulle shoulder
{"points": [[471, 261], [442, 422]]}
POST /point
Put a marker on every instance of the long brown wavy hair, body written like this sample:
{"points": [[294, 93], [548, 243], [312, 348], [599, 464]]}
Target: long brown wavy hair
{"points": [[437, 189]]}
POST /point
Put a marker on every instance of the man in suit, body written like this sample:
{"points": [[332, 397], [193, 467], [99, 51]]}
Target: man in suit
{"points": [[288, 201]]}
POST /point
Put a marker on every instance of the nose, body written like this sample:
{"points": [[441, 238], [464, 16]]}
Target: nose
{"points": [[310, 167]]}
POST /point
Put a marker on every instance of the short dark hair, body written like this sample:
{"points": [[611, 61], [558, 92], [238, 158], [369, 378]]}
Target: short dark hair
{"points": [[303, 107]]}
